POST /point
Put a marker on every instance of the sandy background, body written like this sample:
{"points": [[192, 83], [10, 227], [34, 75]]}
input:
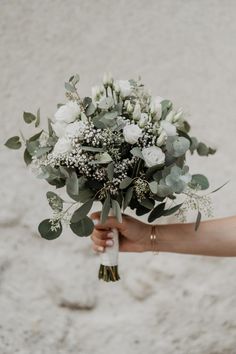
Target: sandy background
{"points": [[50, 299]]}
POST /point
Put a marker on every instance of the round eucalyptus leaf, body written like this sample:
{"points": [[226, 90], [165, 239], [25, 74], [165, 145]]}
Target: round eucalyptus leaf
{"points": [[13, 143], [199, 180], [45, 230], [83, 227]]}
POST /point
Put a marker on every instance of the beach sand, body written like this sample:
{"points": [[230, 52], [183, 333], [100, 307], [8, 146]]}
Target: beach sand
{"points": [[50, 299]]}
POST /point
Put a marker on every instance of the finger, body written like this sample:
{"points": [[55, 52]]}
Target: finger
{"points": [[104, 243], [98, 248], [110, 223], [102, 235]]}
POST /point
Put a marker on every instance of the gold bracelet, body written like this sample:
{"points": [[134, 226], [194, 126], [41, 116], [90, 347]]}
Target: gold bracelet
{"points": [[153, 239]]}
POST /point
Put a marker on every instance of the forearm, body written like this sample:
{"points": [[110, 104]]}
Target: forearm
{"points": [[213, 238]]}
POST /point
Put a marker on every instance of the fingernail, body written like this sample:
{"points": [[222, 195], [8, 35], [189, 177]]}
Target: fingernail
{"points": [[110, 234], [95, 221], [109, 243], [100, 249]]}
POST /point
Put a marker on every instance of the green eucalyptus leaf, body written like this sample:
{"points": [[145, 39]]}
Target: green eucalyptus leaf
{"points": [[27, 157], [110, 171], [181, 146], [13, 143], [35, 137], [106, 103], [29, 117], [128, 197], [103, 158], [105, 209], [37, 121], [90, 109], [157, 212], [69, 87], [137, 152], [82, 211], [92, 148], [172, 210], [202, 149], [46, 231], [116, 210], [50, 130], [199, 180], [55, 202], [72, 185], [74, 79], [148, 203], [141, 210], [83, 227], [125, 182], [198, 220]]}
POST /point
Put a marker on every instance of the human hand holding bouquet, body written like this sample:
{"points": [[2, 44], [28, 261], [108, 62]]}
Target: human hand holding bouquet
{"points": [[122, 147]]}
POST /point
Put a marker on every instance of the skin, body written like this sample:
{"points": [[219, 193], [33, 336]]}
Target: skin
{"points": [[213, 238]]}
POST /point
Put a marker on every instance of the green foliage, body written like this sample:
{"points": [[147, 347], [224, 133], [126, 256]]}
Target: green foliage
{"points": [[116, 210], [83, 227], [45, 230], [198, 220], [69, 87], [29, 117], [72, 185], [125, 182], [13, 143], [172, 210], [199, 180], [157, 212], [105, 209], [82, 212], [55, 202], [106, 103], [37, 121], [110, 171], [27, 157], [148, 203], [128, 197]]}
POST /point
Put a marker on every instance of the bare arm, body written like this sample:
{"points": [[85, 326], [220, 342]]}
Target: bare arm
{"points": [[213, 238]]}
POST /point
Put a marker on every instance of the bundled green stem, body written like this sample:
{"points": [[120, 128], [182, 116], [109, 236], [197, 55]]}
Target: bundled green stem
{"points": [[108, 273]]}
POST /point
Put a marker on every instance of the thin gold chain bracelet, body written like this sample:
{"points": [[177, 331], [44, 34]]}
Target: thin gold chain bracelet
{"points": [[153, 239]]}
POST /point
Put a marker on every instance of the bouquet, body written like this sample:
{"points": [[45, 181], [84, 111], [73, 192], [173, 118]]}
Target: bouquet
{"points": [[122, 147]]}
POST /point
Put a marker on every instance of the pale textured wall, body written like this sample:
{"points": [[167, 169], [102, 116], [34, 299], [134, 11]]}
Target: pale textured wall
{"points": [[184, 50]]}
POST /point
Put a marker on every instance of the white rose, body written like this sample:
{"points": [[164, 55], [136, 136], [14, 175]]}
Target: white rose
{"points": [[75, 129], [161, 138], [153, 156], [132, 133], [62, 146], [169, 128], [59, 128], [125, 87], [68, 112]]}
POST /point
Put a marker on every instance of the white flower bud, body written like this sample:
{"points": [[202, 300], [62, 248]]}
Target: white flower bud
{"points": [[107, 79], [129, 107], [116, 87], [170, 116], [96, 92], [161, 139], [177, 116], [169, 128], [143, 120], [137, 111]]}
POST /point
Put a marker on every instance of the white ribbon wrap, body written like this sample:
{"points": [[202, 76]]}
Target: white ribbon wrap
{"points": [[110, 256]]}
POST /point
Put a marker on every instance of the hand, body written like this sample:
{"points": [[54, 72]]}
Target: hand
{"points": [[133, 234]]}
